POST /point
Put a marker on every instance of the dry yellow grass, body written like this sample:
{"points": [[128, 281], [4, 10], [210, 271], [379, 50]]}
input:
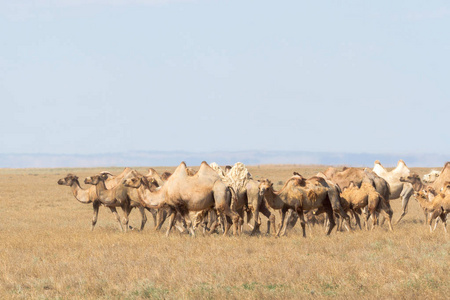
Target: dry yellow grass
{"points": [[48, 251]]}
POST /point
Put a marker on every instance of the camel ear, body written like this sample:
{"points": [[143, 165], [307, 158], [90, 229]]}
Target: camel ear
{"points": [[296, 173]]}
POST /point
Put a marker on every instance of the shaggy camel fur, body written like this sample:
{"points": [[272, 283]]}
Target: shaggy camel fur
{"points": [[398, 189], [185, 193], [302, 194], [438, 207], [118, 196], [89, 195], [354, 199]]}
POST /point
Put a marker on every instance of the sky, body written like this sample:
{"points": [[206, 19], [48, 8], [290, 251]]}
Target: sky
{"points": [[86, 77]]}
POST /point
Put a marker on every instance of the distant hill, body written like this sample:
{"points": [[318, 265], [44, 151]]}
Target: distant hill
{"points": [[157, 158]]}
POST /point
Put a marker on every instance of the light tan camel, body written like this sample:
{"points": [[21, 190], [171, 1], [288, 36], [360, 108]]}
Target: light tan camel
{"points": [[89, 195], [438, 207], [355, 198], [185, 193], [302, 194], [118, 196]]}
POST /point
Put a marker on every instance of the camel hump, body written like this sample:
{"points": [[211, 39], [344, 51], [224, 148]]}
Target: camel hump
{"points": [[180, 170], [377, 162], [151, 172], [401, 161]]}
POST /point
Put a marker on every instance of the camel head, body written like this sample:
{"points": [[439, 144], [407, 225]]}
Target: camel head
{"points": [[68, 180], [431, 177], [421, 195], [94, 180], [264, 185], [412, 178], [137, 181], [134, 182]]}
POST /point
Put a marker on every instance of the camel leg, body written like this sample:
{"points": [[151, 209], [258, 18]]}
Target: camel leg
{"points": [[332, 223], [188, 222], [386, 210], [388, 216], [126, 212], [161, 217], [374, 220], [282, 221], [220, 199], [357, 219], [240, 212], [154, 214], [436, 223], [426, 217], [405, 195], [114, 211], [144, 217], [256, 224], [443, 218], [302, 220], [96, 206], [171, 221], [270, 216], [249, 213]]}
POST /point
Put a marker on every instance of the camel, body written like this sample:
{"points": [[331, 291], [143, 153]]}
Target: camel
{"points": [[355, 198], [185, 193], [118, 196], [89, 195], [418, 186], [302, 194], [398, 189], [438, 207]]}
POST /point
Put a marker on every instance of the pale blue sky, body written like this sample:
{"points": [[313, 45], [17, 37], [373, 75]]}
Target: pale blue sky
{"points": [[85, 77]]}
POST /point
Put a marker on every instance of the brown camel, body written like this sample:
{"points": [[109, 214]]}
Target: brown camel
{"points": [[438, 207], [89, 195], [355, 198], [185, 193], [302, 194], [118, 196]]}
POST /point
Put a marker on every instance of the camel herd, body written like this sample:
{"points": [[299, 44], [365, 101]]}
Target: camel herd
{"points": [[217, 199]]}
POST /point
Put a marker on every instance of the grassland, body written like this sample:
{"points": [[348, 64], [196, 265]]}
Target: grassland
{"points": [[47, 251]]}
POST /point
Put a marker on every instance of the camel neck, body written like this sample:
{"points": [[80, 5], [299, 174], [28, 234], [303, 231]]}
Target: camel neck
{"points": [[79, 193], [273, 198], [153, 199], [423, 202], [418, 186]]}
